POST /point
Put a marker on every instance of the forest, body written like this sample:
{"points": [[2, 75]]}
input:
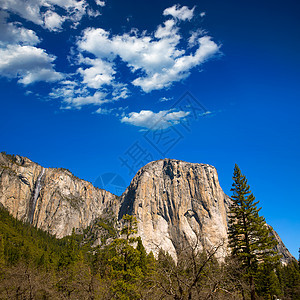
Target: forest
{"points": [[37, 265]]}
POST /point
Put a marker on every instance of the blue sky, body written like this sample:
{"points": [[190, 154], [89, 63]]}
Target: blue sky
{"points": [[103, 87]]}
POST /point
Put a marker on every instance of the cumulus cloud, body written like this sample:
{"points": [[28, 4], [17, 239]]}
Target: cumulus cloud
{"points": [[157, 55], [45, 12], [14, 33], [180, 68], [100, 3], [151, 120], [27, 63], [98, 98], [155, 59], [18, 56], [29, 10], [120, 91], [53, 21], [76, 95], [100, 73], [181, 13], [20, 59], [194, 37]]}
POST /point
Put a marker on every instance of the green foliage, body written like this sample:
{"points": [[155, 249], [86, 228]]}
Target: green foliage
{"points": [[290, 280], [36, 265], [129, 226], [128, 265], [249, 236], [22, 242], [267, 282]]}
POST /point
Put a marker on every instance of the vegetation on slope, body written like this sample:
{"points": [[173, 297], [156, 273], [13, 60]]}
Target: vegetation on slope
{"points": [[36, 265]]}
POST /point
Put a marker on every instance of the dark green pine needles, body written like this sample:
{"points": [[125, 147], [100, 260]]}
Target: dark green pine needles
{"points": [[249, 235]]}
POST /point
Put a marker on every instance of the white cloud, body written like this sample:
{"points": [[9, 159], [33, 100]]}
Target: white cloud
{"points": [[180, 68], [155, 59], [100, 3], [53, 21], [100, 73], [98, 98], [157, 55], [202, 14], [75, 95], [194, 38], [206, 113], [151, 120], [109, 111], [165, 99], [93, 13], [45, 12], [40, 74], [14, 33], [29, 10], [120, 91], [18, 56], [28, 64], [104, 111], [181, 13]]}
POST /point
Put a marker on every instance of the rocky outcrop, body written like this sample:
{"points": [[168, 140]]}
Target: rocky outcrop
{"points": [[286, 256], [176, 203], [51, 199]]}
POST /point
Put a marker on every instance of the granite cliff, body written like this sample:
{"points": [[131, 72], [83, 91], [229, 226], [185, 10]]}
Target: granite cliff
{"points": [[175, 202], [51, 199]]}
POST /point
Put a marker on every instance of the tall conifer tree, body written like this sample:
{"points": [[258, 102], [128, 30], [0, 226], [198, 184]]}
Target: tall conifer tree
{"points": [[249, 235]]}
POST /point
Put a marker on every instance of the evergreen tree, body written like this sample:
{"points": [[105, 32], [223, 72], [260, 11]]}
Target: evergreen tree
{"points": [[267, 281], [129, 226], [249, 235], [290, 277], [124, 260]]}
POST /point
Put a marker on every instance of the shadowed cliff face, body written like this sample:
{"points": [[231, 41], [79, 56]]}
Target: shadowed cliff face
{"points": [[51, 199], [175, 203]]}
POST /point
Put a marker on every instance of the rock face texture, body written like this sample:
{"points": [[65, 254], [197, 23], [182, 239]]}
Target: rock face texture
{"points": [[51, 199], [176, 203], [286, 256]]}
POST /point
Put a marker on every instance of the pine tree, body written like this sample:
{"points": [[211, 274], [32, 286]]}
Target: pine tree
{"points": [[124, 261], [129, 226], [249, 235]]}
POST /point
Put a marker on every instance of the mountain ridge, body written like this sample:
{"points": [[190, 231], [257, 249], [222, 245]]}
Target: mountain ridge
{"points": [[175, 202]]}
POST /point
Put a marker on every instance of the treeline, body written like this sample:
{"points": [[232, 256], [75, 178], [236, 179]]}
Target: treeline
{"points": [[36, 265]]}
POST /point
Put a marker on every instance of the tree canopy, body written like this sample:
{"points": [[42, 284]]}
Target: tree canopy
{"points": [[249, 235]]}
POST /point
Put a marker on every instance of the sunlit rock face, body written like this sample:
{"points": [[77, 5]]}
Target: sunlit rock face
{"points": [[176, 203], [51, 199]]}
